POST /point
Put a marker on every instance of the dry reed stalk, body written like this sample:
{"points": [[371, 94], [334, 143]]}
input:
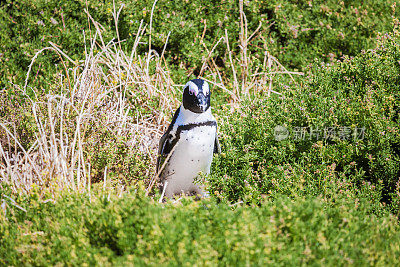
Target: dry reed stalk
{"points": [[156, 177], [244, 60]]}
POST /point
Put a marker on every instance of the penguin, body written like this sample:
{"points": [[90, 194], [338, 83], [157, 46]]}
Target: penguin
{"points": [[192, 139]]}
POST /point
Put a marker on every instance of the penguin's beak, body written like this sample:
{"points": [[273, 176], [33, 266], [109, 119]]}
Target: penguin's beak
{"points": [[202, 102]]}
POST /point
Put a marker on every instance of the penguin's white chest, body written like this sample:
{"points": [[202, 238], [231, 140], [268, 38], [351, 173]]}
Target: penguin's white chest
{"points": [[198, 143], [193, 154]]}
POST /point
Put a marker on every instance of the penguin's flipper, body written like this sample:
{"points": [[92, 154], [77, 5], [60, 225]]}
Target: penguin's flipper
{"points": [[217, 147], [161, 149], [164, 147]]}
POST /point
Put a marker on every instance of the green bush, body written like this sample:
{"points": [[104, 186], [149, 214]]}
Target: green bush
{"points": [[355, 93], [78, 230], [28, 26], [296, 32], [328, 30], [317, 200]]}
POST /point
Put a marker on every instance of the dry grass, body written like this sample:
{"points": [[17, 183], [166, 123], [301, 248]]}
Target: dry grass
{"points": [[97, 94]]}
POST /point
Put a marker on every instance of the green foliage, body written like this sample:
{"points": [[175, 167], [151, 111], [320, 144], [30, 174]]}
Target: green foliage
{"points": [[307, 200], [77, 230], [123, 160], [296, 32], [23, 122], [28, 26], [357, 93], [327, 30]]}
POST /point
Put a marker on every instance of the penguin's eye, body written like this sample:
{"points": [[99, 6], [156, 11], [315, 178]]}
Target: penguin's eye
{"points": [[206, 89], [192, 91]]}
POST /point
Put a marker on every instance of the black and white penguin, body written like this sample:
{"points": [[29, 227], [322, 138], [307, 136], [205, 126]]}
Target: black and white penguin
{"points": [[192, 138]]}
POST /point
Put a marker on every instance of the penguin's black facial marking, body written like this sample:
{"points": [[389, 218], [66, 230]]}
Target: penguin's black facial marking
{"points": [[196, 96]]}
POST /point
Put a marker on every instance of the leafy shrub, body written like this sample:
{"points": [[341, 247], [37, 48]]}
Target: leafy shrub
{"points": [[311, 200], [362, 92], [28, 26], [78, 229], [328, 30], [296, 32]]}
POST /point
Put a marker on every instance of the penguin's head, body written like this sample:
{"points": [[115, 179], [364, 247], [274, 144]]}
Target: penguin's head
{"points": [[196, 96]]}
